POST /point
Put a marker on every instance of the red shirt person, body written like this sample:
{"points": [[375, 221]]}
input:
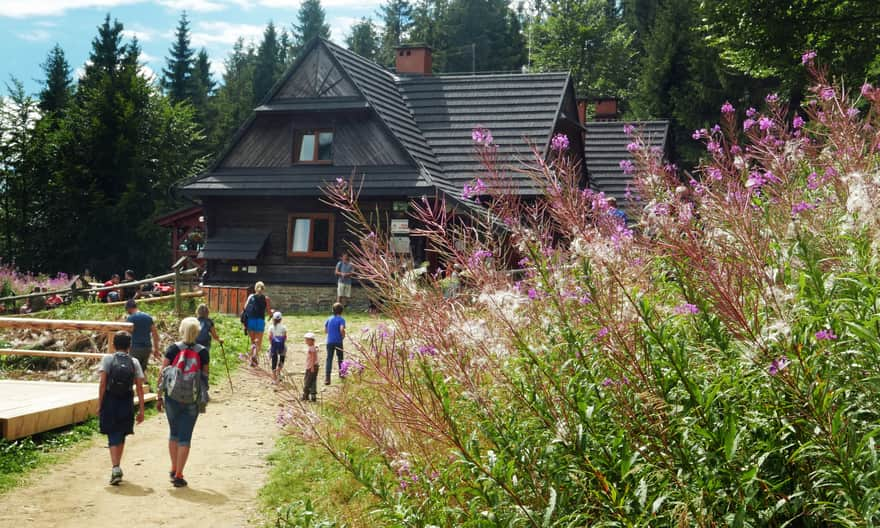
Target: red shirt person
{"points": [[110, 295]]}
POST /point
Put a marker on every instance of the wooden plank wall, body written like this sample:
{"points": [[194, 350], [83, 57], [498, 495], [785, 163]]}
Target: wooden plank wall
{"points": [[358, 141], [226, 299], [317, 76]]}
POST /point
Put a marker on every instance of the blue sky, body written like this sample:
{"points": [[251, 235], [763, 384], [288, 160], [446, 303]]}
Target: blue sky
{"points": [[32, 27]]}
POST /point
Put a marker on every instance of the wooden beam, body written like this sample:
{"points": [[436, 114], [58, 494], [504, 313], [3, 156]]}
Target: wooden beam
{"points": [[49, 353], [157, 299], [64, 324]]}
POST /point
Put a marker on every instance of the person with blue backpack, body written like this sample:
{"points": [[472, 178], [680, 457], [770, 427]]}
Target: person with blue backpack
{"points": [[116, 418], [183, 393], [253, 317]]}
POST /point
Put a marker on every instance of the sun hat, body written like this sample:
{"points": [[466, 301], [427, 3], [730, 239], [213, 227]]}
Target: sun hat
{"points": [[309, 335], [276, 316]]}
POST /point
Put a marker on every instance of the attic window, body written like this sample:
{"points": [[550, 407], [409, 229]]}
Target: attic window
{"points": [[313, 146]]}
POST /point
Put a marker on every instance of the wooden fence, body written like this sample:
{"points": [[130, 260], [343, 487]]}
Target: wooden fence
{"points": [[108, 327]]}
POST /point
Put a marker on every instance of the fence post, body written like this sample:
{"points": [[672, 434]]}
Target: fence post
{"points": [[110, 346], [177, 306]]}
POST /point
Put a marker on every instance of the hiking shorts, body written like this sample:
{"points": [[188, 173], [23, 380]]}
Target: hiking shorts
{"points": [[256, 324], [181, 420], [115, 439], [343, 290], [142, 355]]}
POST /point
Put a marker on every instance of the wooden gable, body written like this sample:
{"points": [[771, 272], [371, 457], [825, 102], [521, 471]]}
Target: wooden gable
{"points": [[317, 75]]}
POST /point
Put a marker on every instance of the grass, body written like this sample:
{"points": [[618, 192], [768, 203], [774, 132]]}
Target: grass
{"points": [[306, 487]]}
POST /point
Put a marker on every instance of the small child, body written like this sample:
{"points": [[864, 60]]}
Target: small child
{"points": [[310, 385], [277, 347], [334, 327]]}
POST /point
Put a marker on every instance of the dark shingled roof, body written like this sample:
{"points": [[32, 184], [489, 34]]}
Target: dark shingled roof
{"points": [[235, 244], [379, 86], [519, 110], [306, 180], [605, 147]]}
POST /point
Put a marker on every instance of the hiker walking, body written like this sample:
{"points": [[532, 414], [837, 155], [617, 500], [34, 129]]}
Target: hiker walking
{"points": [[334, 327], [183, 393], [257, 306], [115, 412], [207, 328], [144, 335]]}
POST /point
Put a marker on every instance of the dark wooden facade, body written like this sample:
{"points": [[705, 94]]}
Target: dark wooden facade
{"points": [[398, 138]]}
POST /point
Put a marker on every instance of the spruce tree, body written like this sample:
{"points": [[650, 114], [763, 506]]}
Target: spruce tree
{"points": [[483, 35], [235, 98], [178, 76], [429, 27], [269, 63], [106, 54], [363, 39], [396, 21], [310, 23], [57, 86]]}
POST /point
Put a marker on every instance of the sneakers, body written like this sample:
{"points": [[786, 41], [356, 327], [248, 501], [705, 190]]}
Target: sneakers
{"points": [[171, 475], [179, 482], [116, 476]]}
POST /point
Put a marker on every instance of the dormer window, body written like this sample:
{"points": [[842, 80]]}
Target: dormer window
{"points": [[313, 146]]}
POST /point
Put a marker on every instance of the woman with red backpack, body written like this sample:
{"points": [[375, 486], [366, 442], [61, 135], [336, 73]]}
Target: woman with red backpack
{"points": [[183, 392]]}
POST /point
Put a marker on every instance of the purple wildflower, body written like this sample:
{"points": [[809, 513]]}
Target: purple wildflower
{"points": [[632, 146], [765, 123], [797, 122], [560, 143], [748, 123], [825, 335], [628, 129], [533, 294], [714, 147], [700, 133], [727, 108], [686, 309], [867, 90], [827, 93], [716, 128], [427, 350], [627, 166], [479, 256], [350, 366], [482, 136], [607, 382], [475, 190], [771, 98], [751, 112], [603, 332], [778, 365], [799, 208], [714, 173], [808, 57], [585, 299], [340, 181]]}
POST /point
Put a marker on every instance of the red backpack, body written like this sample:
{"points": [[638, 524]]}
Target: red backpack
{"points": [[182, 379]]}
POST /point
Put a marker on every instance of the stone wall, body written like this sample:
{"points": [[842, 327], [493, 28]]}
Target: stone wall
{"points": [[292, 298]]}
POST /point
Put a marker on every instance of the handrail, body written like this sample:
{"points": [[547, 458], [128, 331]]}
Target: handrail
{"points": [[49, 353], [65, 324]]}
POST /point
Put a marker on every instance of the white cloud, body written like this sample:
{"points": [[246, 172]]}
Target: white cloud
{"points": [[35, 35], [198, 6], [142, 33], [148, 72], [218, 68], [219, 32], [46, 24], [340, 27], [26, 8]]}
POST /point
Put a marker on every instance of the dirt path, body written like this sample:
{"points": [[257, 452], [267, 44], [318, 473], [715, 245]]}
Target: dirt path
{"points": [[226, 469]]}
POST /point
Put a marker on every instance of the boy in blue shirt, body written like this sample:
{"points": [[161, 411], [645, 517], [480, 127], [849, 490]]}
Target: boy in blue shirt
{"points": [[334, 327]]}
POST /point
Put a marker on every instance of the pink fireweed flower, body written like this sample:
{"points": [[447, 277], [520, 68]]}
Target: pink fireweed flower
{"points": [[867, 90], [482, 136], [714, 147], [797, 122], [350, 366], [825, 335], [627, 166], [340, 181], [808, 57], [475, 190], [852, 112], [686, 309], [748, 123], [478, 257], [716, 128], [765, 123], [699, 134], [800, 207], [532, 294], [604, 331], [778, 365], [628, 129], [632, 146], [751, 112], [827, 93], [714, 173], [727, 108], [560, 143], [771, 98]]}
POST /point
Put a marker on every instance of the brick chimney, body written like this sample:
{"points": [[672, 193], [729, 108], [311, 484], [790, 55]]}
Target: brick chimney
{"points": [[603, 108], [413, 59]]}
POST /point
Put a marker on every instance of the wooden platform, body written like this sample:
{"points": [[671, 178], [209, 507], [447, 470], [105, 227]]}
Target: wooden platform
{"points": [[31, 407]]}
